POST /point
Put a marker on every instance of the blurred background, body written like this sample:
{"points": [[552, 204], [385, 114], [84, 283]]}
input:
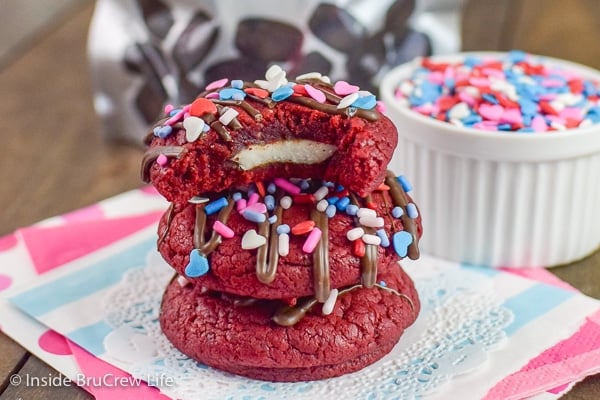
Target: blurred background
{"points": [[55, 159]]}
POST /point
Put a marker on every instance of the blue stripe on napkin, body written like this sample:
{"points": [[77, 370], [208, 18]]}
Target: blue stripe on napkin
{"points": [[91, 337], [43, 299], [533, 303]]}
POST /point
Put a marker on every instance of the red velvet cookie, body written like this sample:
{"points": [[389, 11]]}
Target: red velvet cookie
{"points": [[239, 133], [351, 248], [242, 337]]}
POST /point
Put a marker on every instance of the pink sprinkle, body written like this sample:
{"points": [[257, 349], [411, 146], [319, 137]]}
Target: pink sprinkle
{"points": [[169, 108], [552, 83], [217, 84], [240, 205], [496, 73], [175, 118], [548, 96], [538, 123], [161, 160], [479, 82], [223, 230], [212, 95], [380, 106], [512, 116], [425, 109], [315, 93], [256, 207], [287, 185], [492, 112], [186, 115], [312, 240], [485, 126], [252, 199], [436, 77], [467, 98], [572, 113]]}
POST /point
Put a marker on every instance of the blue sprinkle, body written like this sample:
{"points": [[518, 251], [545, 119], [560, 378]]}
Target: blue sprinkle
{"points": [[490, 98], [174, 112], [305, 184], [283, 228], [385, 240], [197, 266], [528, 107], [351, 209], [516, 56], [272, 219], [343, 203], [366, 102], [236, 196], [401, 240], [332, 199], [471, 61], [339, 188], [449, 83], [382, 283], [232, 93], [271, 188], [411, 210], [330, 211], [215, 206], [282, 93], [328, 184], [254, 216], [163, 131], [505, 127], [397, 212], [526, 130], [237, 83], [403, 181], [471, 119], [270, 202]]}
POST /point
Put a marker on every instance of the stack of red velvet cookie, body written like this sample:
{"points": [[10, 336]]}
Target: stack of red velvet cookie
{"points": [[285, 228]]}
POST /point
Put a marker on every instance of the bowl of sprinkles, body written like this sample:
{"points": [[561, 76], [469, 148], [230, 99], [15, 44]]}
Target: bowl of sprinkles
{"points": [[505, 151]]}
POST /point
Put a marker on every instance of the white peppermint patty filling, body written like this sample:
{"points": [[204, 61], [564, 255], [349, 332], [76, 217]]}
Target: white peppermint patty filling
{"points": [[300, 151]]}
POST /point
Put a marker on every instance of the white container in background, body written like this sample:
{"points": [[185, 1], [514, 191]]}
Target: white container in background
{"points": [[499, 198]]}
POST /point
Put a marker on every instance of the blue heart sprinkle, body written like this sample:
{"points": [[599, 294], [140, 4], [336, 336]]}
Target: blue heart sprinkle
{"points": [[366, 102], [163, 131], [401, 240], [231, 93], [197, 266], [282, 93]]}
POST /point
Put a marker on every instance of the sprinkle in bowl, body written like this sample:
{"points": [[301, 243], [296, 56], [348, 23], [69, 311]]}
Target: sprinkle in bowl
{"points": [[517, 196]]}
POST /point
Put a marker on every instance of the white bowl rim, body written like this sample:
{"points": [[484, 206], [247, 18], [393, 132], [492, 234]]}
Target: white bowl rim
{"points": [[523, 146]]}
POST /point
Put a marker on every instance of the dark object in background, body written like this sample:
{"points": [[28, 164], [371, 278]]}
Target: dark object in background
{"points": [[166, 51]]}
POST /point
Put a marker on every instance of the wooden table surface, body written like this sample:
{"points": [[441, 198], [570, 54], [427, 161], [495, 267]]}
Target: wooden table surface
{"points": [[54, 160]]}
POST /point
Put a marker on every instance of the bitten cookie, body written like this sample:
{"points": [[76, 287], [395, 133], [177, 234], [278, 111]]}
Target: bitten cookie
{"points": [[242, 337], [236, 133]]}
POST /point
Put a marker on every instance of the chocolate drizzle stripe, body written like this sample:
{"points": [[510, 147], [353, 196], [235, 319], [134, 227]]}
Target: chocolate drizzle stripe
{"points": [[152, 154], [368, 262], [215, 124], [399, 198], [369, 115], [199, 226], [247, 107], [170, 213], [287, 315], [321, 258], [215, 238], [267, 257]]}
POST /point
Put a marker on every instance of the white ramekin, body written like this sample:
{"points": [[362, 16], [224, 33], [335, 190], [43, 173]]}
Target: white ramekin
{"points": [[498, 198]]}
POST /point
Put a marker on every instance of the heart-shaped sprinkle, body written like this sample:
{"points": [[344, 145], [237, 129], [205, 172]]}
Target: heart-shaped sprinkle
{"points": [[343, 88], [273, 72], [217, 84], [348, 100], [252, 240], [162, 131], [258, 92], [367, 102], [315, 93], [202, 106], [401, 240], [197, 266], [380, 106], [193, 128], [232, 94], [491, 112]]}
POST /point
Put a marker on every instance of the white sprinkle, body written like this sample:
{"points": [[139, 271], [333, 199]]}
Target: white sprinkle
{"points": [[557, 126], [309, 75], [330, 302], [569, 99], [348, 100], [252, 240], [365, 212], [273, 71], [406, 88], [371, 239], [228, 115], [283, 246], [355, 233], [321, 193], [371, 222], [586, 123], [285, 202], [456, 122], [322, 205], [459, 111], [182, 281], [557, 105], [198, 200]]}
